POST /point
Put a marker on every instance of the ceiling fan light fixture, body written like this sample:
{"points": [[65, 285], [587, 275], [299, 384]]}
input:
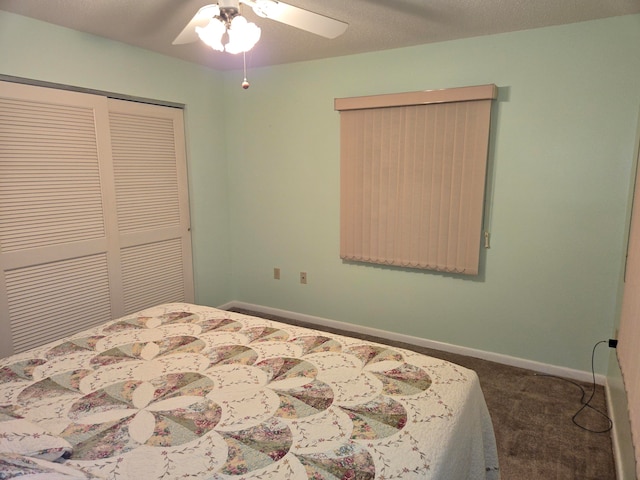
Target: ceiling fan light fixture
{"points": [[243, 35], [225, 11]]}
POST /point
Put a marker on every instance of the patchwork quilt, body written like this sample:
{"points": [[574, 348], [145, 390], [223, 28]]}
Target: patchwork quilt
{"points": [[187, 391]]}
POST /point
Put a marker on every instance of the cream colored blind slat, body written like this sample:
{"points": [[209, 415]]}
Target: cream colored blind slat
{"points": [[412, 183]]}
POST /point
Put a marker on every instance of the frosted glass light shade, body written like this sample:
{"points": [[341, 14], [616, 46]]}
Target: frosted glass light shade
{"points": [[242, 35], [212, 34]]}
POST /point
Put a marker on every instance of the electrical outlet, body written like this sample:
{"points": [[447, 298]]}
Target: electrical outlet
{"points": [[303, 278], [276, 274]]}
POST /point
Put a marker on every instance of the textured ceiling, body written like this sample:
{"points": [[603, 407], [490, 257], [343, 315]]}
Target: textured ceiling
{"points": [[373, 24]]}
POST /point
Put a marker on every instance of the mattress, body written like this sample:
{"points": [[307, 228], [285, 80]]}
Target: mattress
{"points": [[188, 391]]}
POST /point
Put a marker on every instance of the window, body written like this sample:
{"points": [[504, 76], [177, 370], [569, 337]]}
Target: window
{"points": [[412, 177]]}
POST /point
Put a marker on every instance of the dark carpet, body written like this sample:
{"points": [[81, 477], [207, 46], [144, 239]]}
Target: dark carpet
{"points": [[532, 417]]}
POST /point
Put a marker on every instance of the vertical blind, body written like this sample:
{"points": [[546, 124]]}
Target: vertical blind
{"points": [[412, 177]]}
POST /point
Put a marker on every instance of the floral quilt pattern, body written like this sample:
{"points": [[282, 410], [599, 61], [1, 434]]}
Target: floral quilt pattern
{"points": [[185, 391]]}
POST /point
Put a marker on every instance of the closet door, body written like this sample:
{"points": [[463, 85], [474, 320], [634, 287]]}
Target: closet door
{"points": [[152, 204], [84, 234], [54, 187]]}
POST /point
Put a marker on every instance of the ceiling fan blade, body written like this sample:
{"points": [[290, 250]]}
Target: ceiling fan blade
{"points": [[200, 19], [298, 17]]}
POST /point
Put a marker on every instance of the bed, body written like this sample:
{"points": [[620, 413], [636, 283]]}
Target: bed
{"points": [[188, 391]]}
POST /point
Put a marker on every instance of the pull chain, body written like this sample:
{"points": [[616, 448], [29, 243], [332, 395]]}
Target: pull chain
{"points": [[245, 84]]}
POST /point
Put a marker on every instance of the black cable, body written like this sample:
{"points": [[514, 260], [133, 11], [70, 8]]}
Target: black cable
{"points": [[593, 392], [586, 404]]}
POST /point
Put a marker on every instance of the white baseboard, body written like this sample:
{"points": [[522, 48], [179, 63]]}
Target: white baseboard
{"points": [[423, 342], [621, 436], [617, 455]]}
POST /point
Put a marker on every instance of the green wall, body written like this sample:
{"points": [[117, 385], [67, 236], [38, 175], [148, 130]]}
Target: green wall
{"points": [[45, 52], [264, 178], [561, 156]]}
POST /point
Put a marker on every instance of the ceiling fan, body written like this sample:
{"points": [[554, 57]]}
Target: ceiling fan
{"points": [[227, 10]]}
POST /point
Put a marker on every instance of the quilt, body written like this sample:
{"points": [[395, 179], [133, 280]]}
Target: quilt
{"points": [[187, 391]]}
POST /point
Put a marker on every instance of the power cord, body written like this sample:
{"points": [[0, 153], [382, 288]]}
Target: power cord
{"points": [[587, 404]]}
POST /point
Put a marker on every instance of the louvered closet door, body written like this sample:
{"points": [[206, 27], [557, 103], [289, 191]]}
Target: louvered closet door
{"points": [[94, 219], [53, 234], [152, 203]]}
